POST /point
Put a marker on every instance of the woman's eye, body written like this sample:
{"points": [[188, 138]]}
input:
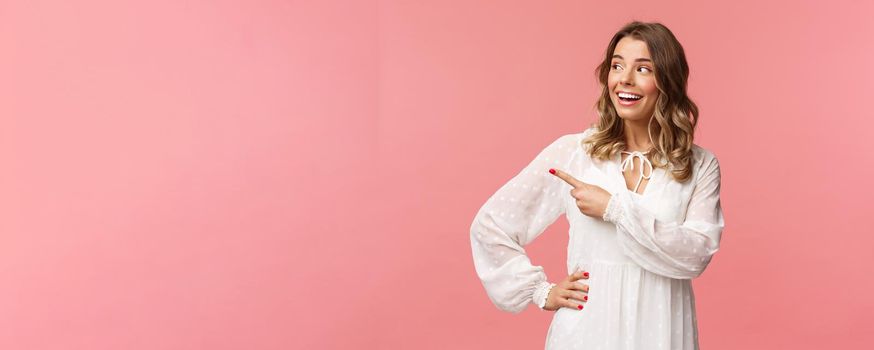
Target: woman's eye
{"points": [[648, 70]]}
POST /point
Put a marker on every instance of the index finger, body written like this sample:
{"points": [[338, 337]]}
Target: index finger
{"points": [[578, 275], [566, 177]]}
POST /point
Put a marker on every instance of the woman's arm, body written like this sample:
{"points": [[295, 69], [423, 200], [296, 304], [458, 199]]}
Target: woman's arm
{"points": [[673, 249], [513, 217]]}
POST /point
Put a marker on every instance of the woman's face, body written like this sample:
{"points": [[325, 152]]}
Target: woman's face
{"points": [[632, 71]]}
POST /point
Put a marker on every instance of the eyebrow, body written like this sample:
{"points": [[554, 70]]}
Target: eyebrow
{"points": [[637, 60]]}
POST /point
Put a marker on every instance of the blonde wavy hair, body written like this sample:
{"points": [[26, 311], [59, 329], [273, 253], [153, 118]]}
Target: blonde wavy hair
{"points": [[675, 114]]}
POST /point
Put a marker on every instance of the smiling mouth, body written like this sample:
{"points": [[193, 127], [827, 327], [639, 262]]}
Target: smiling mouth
{"points": [[628, 101], [628, 97]]}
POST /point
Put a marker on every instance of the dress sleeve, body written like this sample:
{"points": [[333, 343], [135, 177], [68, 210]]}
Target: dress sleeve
{"points": [[674, 249], [511, 218]]}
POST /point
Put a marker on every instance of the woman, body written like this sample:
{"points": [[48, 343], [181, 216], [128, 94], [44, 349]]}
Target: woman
{"points": [[642, 201]]}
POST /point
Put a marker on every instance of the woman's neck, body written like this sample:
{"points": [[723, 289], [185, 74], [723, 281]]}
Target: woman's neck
{"points": [[637, 136]]}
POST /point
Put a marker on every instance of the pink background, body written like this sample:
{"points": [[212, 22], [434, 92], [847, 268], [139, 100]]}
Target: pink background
{"points": [[297, 175]]}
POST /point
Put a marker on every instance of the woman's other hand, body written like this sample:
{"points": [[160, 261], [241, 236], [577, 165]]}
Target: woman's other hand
{"points": [[568, 293]]}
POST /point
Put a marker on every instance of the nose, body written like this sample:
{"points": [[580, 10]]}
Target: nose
{"points": [[626, 78]]}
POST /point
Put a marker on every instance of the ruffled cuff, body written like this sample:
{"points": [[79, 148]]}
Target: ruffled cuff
{"points": [[614, 208], [541, 292]]}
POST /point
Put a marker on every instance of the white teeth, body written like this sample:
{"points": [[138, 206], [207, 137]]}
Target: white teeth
{"points": [[626, 95]]}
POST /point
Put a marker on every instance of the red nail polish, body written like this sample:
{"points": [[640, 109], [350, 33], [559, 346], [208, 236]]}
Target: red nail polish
{"points": [[586, 274], [579, 307], [552, 171], [586, 297]]}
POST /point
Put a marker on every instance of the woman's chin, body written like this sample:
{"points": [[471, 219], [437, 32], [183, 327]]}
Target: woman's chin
{"points": [[631, 118]]}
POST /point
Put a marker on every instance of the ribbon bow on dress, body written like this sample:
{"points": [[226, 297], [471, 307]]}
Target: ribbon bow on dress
{"points": [[628, 163]]}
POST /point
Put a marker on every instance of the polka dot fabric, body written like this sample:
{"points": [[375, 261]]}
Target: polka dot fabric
{"points": [[641, 255]]}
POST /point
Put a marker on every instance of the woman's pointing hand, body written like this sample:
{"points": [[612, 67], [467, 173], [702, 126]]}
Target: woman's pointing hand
{"points": [[591, 200]]}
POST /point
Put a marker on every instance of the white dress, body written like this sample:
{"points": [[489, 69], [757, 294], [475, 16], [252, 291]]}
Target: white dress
{"points": [[641, 256]]}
